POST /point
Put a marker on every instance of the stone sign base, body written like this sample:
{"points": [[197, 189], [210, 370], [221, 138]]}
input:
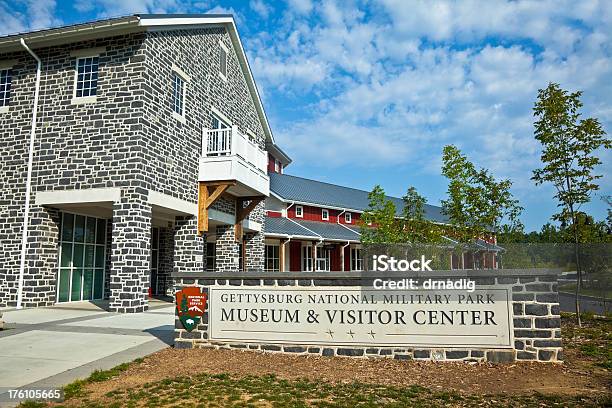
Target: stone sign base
{"points": [[533, 309]]}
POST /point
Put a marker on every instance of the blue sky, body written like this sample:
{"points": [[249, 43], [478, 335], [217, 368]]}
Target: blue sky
{"points": [[368, 92]]}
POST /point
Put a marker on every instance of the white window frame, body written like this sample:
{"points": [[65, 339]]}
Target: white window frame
{"points": [[275, 257], [306, 257], [186, 79], [348, 217], [301, 211], [226, 50], [79, 55], [356, 262], [8, 66], [324, 214]]}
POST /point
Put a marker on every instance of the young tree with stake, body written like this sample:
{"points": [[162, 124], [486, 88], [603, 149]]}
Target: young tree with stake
{"points": [[568, 154]]}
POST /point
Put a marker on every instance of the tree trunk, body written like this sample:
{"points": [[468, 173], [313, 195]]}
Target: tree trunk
{"points": [[578, 268]]}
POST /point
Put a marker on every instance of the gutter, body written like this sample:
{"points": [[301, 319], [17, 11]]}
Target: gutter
{"points": [[26, 214]]}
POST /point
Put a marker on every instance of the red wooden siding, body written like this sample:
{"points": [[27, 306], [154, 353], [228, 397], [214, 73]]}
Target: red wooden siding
{"points": [[315, 214], [274, 214], [295, 262]]}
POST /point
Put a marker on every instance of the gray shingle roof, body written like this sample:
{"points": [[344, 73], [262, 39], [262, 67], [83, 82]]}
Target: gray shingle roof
{"points": [[292, 188], [314, 229]]}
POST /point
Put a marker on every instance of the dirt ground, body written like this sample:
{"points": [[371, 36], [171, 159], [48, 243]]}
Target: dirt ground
{"points": [[572, 378]]}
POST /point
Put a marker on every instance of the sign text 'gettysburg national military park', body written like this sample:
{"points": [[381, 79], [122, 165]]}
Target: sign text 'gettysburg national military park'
{"points": [[362, 316]]}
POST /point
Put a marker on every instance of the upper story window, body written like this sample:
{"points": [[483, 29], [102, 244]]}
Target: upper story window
{"points": [[348, 217], [278, 166], [86, 77], [5, 87], [299, 211], [223, 51], [325, 214], [179, 92]]}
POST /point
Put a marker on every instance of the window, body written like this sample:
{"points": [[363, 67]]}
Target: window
{"points": [[82, 258], [348, 217], [178, 94], [223, 61], [299, 211], [211, 249], [278, 166], [356, 260], [324, 214], [307, 258], [5, 87], [272, 260], [323, 259], [86, 77]]}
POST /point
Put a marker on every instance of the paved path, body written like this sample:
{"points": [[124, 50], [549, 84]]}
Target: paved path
{"points": [[567, 303], [51, 347]]}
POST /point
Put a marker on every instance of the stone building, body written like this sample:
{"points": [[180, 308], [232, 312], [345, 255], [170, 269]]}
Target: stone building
{"points": [[106, 131]]}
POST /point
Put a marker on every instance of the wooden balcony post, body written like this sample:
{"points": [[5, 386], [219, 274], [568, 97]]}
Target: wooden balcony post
{"points": [[208, 193], [242, 212]]}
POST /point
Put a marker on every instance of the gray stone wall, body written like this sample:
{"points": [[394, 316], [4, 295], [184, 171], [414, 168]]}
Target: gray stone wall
{"points": [[127, 139], [227, 249], [77, 146], [536, 320]]}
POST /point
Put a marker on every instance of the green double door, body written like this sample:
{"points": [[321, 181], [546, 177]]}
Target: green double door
{"points": [[82, 258]]}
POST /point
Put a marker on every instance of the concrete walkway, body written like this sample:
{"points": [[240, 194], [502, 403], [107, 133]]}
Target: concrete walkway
{"points": [[51, 347]]}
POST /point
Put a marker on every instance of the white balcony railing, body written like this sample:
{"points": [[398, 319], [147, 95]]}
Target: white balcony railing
{"points": [[227, 154]]}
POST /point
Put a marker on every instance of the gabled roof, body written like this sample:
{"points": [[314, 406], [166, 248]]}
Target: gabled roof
{"points": [[311, 192], [280, 226], [140, 23]]}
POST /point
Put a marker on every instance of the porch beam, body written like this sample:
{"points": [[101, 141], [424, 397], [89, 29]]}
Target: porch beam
{"points": [[243, 212], [208, 193]]}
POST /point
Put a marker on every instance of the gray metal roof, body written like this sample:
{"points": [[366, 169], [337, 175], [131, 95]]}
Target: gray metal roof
{"points": [[285, 227], [309, 229], [292, 188], [331, 231]]}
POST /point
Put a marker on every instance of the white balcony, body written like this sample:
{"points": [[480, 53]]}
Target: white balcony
{"points": [[228, 155]]}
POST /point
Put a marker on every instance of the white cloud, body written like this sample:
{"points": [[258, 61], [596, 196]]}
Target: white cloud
{"points": [[260, 8], [300, 6], [392, 89]]}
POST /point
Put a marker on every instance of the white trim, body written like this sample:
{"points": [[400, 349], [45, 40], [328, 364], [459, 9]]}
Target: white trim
{"points": [[348, 217], [323, 212], [172, 203], [181, 73], [221, 116], [5, 109], [86, 195], [178, 117], [301, 211], [83, 99], [88, 52], [7, 64]]}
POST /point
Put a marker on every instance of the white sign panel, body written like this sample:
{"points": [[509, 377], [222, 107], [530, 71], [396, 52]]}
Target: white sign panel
{"points": [[358, 316]]}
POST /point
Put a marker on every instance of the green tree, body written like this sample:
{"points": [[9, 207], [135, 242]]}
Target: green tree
{"points": [[569, 144], [379, 222], [477, 203], [415, 227]]}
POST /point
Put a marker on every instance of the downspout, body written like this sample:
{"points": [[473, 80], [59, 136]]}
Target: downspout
{"points": [[26, 215], [343, 260]]}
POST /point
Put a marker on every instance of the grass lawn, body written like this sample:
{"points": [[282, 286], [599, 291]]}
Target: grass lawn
{"points": [[234, 378]]}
